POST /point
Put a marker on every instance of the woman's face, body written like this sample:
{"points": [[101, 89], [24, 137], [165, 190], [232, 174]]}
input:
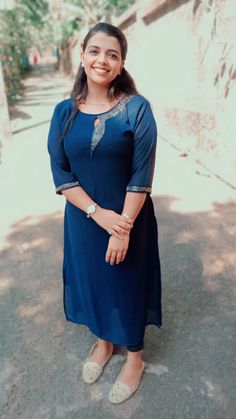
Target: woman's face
{"points": [[102, 59]]}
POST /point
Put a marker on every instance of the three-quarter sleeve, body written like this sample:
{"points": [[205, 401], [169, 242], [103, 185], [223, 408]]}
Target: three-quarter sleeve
{"points": [[145, 139], [61, 172]]}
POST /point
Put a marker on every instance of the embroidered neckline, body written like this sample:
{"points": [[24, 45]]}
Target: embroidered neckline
{"points": [[99, 129], [102, 113]]}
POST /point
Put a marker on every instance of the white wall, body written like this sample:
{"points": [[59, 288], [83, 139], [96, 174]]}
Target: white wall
{"points": [[185, 64]]}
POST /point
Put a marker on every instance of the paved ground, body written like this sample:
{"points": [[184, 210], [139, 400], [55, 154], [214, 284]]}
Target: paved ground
{"points": [[190, 364]]}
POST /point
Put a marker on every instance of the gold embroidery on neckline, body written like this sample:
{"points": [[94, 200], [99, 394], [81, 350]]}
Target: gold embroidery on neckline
{"points": [[99, 129]]}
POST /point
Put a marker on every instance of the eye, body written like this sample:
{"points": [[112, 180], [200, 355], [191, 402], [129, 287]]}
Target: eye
{"points": [[93, 51], [113, 55]]}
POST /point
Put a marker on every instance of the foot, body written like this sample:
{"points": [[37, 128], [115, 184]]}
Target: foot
{"points": [[101, 352], [98, 357], [128, 381], [131, 373]]}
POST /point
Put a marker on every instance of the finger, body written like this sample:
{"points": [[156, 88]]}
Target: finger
{"points": [[116, 234], [128, 229], [113, 257], [108, 255], [124, 225], [128, 220], [123, 255], [120, 231], [125, 221], [118, 257]]}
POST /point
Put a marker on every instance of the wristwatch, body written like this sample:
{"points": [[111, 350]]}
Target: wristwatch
{"points": [[91, 209]]}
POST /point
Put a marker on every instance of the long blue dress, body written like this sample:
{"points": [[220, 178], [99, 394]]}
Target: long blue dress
{"points": [[107, 160]]}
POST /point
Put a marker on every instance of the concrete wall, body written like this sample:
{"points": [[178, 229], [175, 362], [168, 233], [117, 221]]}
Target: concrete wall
{"points": [[182, 54]]}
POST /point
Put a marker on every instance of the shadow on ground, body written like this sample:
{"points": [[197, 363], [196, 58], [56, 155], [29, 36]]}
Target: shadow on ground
{"points": [[189, 363]]}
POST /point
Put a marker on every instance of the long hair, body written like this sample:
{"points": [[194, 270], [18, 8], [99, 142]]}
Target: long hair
{"points": [[123, 83]]}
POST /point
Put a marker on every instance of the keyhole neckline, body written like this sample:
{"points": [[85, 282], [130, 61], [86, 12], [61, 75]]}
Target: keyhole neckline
{"points": [[96, 121], [101, 113]]}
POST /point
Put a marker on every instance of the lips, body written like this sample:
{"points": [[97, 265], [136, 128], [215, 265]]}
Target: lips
{"points": [[100, 70]]}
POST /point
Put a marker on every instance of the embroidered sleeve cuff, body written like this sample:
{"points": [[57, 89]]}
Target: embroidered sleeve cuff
{"points": [[139, 189], [66, 186]]}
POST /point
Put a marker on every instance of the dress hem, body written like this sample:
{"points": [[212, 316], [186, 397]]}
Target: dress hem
{"points": [[106, 338]]}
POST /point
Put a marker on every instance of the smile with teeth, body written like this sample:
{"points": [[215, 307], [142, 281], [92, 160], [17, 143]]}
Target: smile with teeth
{"points": [[100, 70]]}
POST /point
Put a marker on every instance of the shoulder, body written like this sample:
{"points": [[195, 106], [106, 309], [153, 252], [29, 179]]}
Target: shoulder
{"points": [[138, 101], [139, 108], [138, 104], [63, 106], [63, 110]]}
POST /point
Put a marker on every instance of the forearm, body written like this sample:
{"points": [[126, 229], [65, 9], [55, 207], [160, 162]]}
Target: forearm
{"points": [[78, 197], [109, 220], [133, 203]]}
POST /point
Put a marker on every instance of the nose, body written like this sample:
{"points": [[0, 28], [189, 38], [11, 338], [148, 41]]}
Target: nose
{"points": [[102, 58]]}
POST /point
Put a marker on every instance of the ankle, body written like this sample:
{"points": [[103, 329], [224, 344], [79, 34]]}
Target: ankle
{"points": [[135, 359], [104, 344]]}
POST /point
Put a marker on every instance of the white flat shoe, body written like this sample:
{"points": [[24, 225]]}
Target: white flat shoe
{"points": [[120, 391], [92, 370]]}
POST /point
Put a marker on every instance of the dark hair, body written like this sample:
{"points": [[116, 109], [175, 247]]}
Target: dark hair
{"points": [[123, 83]]}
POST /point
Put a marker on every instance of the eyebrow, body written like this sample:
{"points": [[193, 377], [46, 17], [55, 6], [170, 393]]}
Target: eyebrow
{"points": [[110, 50]]}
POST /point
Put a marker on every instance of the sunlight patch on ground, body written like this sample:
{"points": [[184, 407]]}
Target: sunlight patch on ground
{"points": [[185, 237], [212, 390], [6, 284], [96, 393], [198, 203], [28, 310], [47, 297], [42, 318], [36, 220], [157, 369], [58, 328], [34, 243], [218, 263]]}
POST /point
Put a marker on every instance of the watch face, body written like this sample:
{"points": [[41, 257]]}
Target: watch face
{"points": [[91, 208]]}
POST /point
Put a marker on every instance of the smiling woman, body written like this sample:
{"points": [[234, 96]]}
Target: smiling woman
{"points": [[102, 145], [102, 63]]}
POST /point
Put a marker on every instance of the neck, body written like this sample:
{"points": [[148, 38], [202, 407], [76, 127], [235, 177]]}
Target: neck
{"points": [[97, 93]]}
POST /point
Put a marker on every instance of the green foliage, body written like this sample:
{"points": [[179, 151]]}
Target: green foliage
{"points": [[119, 6], [67, 29], [19, 29], [33, 11], [92, 11]]}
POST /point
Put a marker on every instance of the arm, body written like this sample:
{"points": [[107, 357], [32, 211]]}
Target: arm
{"points": [[117, 249], [143, 163], [133, 204], [78, 197], [145, 137], [67, 184], [112, 222]]}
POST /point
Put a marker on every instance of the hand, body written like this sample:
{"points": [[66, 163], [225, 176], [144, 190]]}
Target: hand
{"points": [[113, 223], [117, 249]]}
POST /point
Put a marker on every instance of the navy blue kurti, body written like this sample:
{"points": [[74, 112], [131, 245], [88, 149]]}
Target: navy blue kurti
{"points": [[117, 155]]}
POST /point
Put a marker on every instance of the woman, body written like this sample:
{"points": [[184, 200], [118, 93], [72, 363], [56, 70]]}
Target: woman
{"points": [[102, 144]]}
